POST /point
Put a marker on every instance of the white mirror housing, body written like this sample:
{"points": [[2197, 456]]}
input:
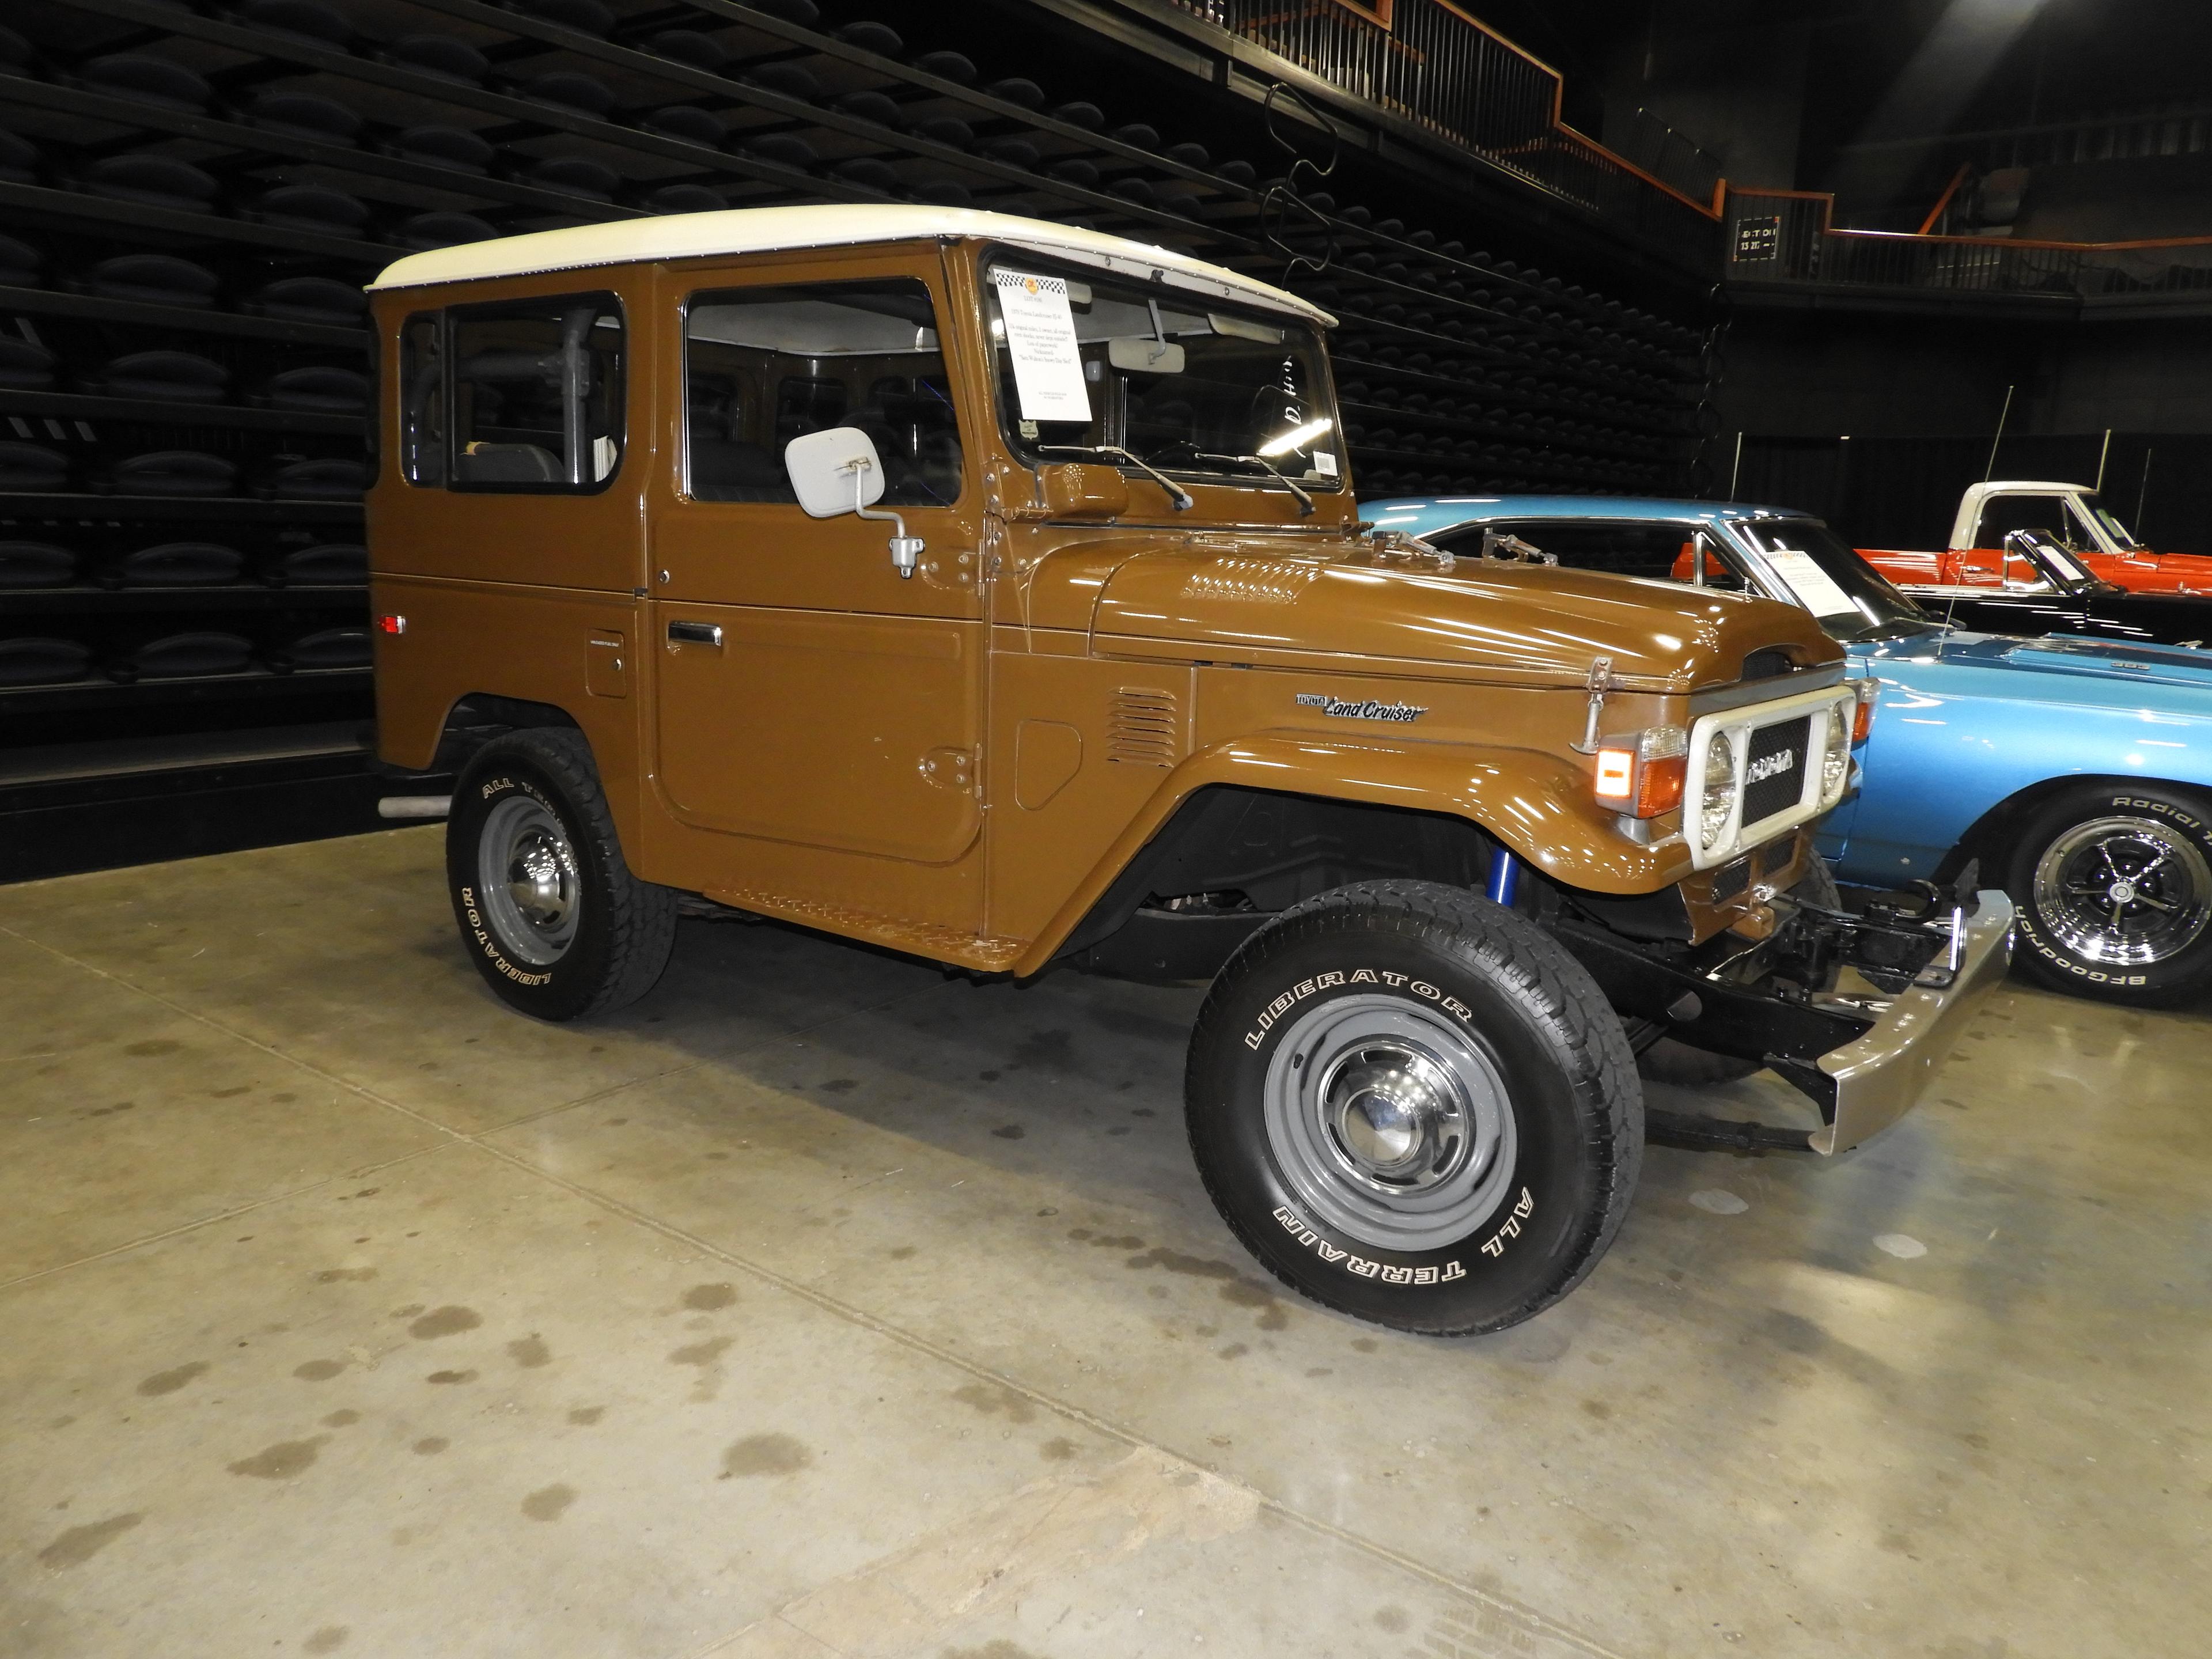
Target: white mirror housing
{"points": [[837, 471]]}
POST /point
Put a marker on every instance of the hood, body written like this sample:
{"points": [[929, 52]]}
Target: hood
{"points": [[2077, 669], [1286, 601]]}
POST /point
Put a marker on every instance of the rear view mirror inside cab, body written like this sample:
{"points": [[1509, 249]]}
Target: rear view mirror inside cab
{"points": [[1138, 355]]}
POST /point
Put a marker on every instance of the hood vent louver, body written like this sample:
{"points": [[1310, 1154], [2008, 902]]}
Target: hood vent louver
{"points": [[1769, 664], [1142, 728]]}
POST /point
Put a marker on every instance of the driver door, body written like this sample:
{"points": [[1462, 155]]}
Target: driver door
{"points": [[809, 697]]}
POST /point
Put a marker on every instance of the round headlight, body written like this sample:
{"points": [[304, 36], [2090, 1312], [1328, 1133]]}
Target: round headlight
{"points": [[1836, 763], [1718, 801]]}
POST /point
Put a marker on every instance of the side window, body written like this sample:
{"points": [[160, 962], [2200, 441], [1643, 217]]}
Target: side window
{"points": [[2002, 514], [537, 394], [763, 365], [422, 399]]}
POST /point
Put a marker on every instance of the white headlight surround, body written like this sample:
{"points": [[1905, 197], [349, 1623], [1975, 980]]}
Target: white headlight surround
{"points": [[1717, 797]]}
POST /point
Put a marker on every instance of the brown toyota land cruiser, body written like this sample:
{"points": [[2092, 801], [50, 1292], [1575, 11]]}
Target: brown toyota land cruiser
{"points": [[993, 590]]}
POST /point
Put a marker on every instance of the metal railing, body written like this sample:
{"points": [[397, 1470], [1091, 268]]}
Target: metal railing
{"points": [[1429, 63], [1784, 236]]}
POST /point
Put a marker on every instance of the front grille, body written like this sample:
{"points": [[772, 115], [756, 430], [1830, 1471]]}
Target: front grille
{"points": [[1730, 879], [1774, 769]]}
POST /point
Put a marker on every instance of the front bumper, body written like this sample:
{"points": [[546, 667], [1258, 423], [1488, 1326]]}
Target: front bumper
{"points": [[1879, 1077], [1864, 1059]]}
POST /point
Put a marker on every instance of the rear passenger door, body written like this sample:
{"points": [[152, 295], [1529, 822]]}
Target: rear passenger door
{"points": [[807, 694]]}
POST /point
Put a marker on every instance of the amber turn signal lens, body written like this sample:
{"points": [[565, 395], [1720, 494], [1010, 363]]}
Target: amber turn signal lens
{"points": [[1616, 775], [1863, 722], [1660, 789]]}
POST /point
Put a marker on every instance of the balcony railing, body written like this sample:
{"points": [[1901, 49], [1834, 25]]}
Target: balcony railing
{"points": [[1784, 236], [1431, 64]]}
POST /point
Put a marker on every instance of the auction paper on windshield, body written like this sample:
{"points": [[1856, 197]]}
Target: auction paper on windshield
{"points": [[1816, 590], [1040, 342]]}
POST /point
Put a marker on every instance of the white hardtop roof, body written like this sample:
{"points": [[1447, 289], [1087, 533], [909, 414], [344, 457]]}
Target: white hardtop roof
{"points": [[2043, 486], [764, 230]]}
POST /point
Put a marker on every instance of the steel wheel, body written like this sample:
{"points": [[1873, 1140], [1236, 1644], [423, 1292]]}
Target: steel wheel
{"points": [[1389, 1123], [531, 889], [2127, 891]]}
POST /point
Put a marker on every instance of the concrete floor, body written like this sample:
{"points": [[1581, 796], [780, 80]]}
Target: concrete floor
{"points": [[821, 1304]]}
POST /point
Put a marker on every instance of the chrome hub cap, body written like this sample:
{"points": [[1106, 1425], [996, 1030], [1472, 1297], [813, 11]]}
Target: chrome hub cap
{"points": [[1389, 1123], [2124, 891], [530, 884]]}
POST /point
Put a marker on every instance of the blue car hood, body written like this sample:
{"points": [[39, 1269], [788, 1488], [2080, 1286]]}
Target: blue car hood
{"points": [[2063, 669]]}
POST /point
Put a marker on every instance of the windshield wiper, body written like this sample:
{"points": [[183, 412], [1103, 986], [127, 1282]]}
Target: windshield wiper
{"points": [[1176, 493], [1305, 500]]}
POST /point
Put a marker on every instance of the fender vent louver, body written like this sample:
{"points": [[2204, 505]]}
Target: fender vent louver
{"points": [[1767, 664], [1142, 728]]}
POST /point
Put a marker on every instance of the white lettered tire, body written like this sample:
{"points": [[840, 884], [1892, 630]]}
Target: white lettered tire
{"points": [[1414, 1107]]}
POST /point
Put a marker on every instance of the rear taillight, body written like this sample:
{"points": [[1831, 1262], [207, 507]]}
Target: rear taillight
{"points": [[391, 624], [1642, 776]]}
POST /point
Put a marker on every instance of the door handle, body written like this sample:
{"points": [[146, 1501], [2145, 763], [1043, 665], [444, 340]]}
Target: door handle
{"points": [[695, 633]]}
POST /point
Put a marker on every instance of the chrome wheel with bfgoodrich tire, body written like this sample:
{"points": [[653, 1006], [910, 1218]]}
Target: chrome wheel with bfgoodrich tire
{"points": [[2114, 890], [1414, 1107], [548, 910]]}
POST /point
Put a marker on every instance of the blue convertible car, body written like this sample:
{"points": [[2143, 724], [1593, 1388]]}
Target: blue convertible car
{"points": [[2078, 771]]}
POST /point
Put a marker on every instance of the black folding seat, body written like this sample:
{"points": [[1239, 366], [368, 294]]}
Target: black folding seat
{"points": [[573, 175], [585, 16], [25, 366], [784, 149], [1079, 113], [446, 147], [185, 656], [308, 114], [689, 47], [327, 564], [1239, 173], [328, 648], [179, 564], [1138, 136], [136, 74], [1189, 155], [1076, 171], [158, 279], [792, 80], [312, 207], [151, 182], [879, 38], [173, 472], [1014, 151], [36, 564], [307, 19], [440, 55], [682, 198], [688, 122], [1355, 214], [1020, 93], [20, 264], [325, 480], [183, 377], [444, 228], [1132, 189], [947, 130], [38, 661], [310, 300], [869, 173], [318, 389], [19, 159], [571, 89], [867, 106], [947, 66], [15, 52]]}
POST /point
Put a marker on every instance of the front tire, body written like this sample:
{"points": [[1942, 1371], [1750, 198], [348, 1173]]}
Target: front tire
{"points": [[2112, 887], [1415, 1108], [548, 910]]}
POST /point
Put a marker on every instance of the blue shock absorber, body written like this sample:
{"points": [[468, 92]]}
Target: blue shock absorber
{"points": [[1504, 877]]}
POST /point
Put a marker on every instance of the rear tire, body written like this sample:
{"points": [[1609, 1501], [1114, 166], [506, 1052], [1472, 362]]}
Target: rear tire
{"points": [[2112, 888], [1415, 1108], [548, 910]]}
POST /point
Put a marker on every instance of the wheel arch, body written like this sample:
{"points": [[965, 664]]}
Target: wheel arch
{"points": [[1990, 837]]}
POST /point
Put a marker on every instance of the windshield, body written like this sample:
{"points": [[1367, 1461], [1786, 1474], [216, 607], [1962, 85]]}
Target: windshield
{"points": [[1807, 563], [2121, 535], [1085, 360]]}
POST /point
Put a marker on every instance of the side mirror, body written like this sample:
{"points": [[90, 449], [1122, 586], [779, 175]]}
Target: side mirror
{"points": [[837, 471]]}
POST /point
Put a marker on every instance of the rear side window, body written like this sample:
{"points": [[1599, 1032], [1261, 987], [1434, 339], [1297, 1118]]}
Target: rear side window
{"points": [[763, 365], [422, 399], [536, 394]]}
